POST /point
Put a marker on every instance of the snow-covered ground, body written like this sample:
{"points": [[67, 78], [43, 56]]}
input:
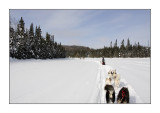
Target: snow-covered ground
{"points": [[76, 80]]}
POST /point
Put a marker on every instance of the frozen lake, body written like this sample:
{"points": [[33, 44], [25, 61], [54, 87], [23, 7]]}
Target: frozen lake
{"points": [[76, 80]]}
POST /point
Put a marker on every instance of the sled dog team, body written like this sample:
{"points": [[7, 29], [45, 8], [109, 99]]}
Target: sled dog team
{"points": [[123, 95]]}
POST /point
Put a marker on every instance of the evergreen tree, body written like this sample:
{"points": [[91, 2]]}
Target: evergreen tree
{"points": [[27, 44], [12, 42], [115, 50], [20, 28], [111, 44], [21, 50], [128, 43], [39, 41], [31, 32], [55, 50], [49, 46], [134, 50], [122, 49], [139, 50], [128, 48], [115, 44], [43, 49]]}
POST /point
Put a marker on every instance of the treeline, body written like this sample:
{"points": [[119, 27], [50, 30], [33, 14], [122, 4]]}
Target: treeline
{"points": [[76, 51], [114, 50], [26, 44]]}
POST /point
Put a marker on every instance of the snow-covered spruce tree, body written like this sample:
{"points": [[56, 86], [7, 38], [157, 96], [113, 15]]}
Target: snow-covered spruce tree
{"points": [[122, 49], [12, 42], [37, 42], [43, 49], [21, 50], [110, 50], [49, 46], [116, 49], [140, 51], [31, 42], [128, 48], [63, 52], [20, 28], [134, 50], [55, 50], [148, 51], [60, 51], [27, 44]]}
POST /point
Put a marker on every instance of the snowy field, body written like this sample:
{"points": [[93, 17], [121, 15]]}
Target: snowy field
{"points": [[76, 80]]}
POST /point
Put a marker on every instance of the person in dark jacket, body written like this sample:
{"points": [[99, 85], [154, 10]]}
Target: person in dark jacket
{"points": [[103, 61]]}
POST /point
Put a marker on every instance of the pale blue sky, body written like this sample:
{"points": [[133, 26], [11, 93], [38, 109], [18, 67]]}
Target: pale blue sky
{"points": [[92, 28]]}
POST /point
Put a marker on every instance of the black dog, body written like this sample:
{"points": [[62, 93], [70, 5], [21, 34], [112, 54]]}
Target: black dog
{"points": [[110, 94], [123, 96]]}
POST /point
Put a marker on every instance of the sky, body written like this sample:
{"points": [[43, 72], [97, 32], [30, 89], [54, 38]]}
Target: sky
{"points": [[91, 28]]}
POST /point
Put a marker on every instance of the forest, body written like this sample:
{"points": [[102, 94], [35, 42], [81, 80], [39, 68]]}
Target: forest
{"points": [[29, 43], [26, 44], [114, 50]]}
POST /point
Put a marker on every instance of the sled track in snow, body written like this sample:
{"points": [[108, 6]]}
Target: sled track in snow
{"points": [[101, 76]]}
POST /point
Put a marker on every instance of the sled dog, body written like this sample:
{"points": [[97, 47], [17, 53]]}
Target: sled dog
{"points": [[108, 80], [110, 73], [123, 96], [116, 80], [114, 71], [110, 94]]}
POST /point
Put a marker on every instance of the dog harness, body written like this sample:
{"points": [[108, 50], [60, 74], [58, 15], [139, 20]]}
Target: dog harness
{"points": [[123, 94]]}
